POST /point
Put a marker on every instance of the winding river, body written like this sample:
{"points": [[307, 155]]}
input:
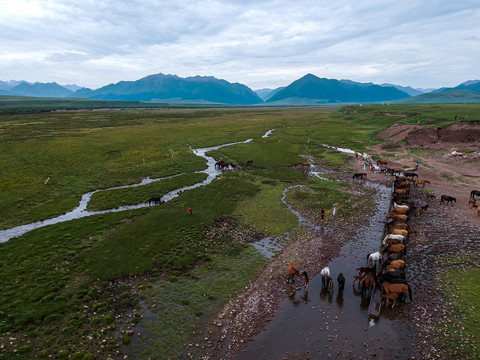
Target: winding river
{"points": [[81, 210]]}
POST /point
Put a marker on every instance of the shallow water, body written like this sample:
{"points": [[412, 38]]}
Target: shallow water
{"points": [[335, 325]]}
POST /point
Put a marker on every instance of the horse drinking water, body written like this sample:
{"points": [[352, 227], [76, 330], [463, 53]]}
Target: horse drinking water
{"points": [[292, 272], [325, 274]]}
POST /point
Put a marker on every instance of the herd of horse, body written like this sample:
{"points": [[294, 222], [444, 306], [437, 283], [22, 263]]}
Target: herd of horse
{"points": [[386, 268]]}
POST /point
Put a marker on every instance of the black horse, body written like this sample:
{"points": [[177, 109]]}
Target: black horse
{"points": [[155, 200], [341, 281], [359, 176], [410, 174], [447, 199], [220, 164], [474, 193]]}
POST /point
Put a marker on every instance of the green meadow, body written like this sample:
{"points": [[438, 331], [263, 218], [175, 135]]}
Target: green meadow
{"points": [[71, 290]]}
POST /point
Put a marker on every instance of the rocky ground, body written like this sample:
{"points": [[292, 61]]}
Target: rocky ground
{"points": [[442, 229]]}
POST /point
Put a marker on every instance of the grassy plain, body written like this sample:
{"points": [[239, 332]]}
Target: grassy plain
{"points": [[69, 287]]}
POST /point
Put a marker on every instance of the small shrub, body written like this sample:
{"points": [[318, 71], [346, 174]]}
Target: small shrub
{"points": [[108, 319], [126, 339], [78, 356], [62, 354]]}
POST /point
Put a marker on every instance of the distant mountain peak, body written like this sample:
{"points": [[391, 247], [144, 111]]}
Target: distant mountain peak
{"points": [[172, 88], [312, 90]]}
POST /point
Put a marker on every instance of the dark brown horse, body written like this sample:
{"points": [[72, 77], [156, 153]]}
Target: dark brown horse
{"points": [[410, 174], [359, 176], [341, 281], [474, 193], [447, 199], [155, 200]]}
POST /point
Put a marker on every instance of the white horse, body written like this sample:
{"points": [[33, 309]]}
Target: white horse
{"points": [[401, 238], [325, 273], [373, 260]]}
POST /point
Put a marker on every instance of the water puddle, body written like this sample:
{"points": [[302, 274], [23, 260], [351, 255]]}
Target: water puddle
{"points": [[335, 324], [81, 211]]}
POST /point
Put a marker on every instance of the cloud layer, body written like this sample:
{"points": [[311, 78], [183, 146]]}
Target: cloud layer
{"points": [[270, 43]]}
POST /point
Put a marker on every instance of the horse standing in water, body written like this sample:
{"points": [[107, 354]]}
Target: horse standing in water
{"points": [[373, 260], [325, 274], [341, 281], [292, 272]]}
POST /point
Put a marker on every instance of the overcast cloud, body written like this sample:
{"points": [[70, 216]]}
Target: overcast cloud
{"points": [[421, 43]]}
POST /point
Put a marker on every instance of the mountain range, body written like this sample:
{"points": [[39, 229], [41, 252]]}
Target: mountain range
{"points": [[308, 90]]}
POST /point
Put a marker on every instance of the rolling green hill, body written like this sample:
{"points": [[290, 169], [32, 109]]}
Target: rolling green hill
{"points": [[444, 97]]}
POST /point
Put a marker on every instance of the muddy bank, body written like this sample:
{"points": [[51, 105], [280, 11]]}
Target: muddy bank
{"points": [[462, 134]]}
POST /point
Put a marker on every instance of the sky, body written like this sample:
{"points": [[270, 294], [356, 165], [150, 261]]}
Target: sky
{"points": [[258, 43]]}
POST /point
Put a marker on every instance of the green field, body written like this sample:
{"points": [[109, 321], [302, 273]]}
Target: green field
{"points": [[69, 287]]}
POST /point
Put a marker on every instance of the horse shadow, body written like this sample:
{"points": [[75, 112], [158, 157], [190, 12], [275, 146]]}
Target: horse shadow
{"points": [[339, 299], [292, 295], [326, 294]]}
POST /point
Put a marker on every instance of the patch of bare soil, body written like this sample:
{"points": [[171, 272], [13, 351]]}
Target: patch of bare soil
{"points": [[390, 114], [463, 134]]}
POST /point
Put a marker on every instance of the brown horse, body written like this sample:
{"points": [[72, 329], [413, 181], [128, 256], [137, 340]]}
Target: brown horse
{"points": [[359, 278], [396, 248], [397, 289], [394, 265], [400, 210], [422, 182], [367, 284], [331, 283], [396, 231], [401, 191], [292, 272], [388, 297], [189, 211], [365, 270], [397, 225], [397, 217]]}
